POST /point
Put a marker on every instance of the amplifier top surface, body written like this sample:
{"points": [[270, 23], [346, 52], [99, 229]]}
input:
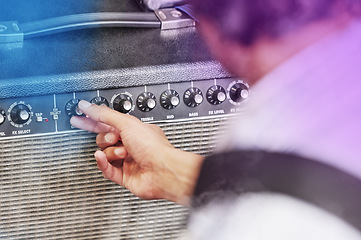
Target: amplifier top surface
{"points": [[91, 49]]}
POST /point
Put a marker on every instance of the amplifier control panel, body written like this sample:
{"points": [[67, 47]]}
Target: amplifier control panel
{"points": [[152, 103]]}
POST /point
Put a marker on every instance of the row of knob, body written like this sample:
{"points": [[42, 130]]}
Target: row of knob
{"points": [[169, 99], [21, 113]]}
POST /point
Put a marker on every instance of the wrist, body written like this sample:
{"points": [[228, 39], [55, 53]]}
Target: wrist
{"points": [[183, 169]]}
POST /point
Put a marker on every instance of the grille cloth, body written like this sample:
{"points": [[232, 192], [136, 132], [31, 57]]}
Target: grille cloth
{"points": [[51, 189]]}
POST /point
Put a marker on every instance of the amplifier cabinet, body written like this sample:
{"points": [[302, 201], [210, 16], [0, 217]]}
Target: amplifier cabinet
{"points": [[50, 185]]}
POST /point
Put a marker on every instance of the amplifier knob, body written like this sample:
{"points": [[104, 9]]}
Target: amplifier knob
{"points": [[122, 103], [100, 101], [193, 97], [238, 92], [169, 99], [20, 114], [71, 108], [216, 95], [2, 116], [146, 102]]}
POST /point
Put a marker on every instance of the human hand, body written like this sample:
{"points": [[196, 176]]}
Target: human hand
{"points": [[144, 161]]}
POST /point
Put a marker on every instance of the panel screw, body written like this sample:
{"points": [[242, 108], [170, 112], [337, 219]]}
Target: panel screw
{"points": [[3, 28], [176, 14]]}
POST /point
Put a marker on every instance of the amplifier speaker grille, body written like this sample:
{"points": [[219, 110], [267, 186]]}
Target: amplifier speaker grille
{"points": [[51, 189]]}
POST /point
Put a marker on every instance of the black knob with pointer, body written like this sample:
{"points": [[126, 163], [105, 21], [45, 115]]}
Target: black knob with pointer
{"points": [[20, 114], [72, 109], [216, 95], [169, 99], [122, 103], [193, 97]]}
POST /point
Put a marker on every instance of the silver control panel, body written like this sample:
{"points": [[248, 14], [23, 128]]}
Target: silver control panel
{"points": [[153, 103]]}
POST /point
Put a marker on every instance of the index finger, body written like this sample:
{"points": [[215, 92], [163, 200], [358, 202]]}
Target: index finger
{"points": [[90, 125], [103, 114]]}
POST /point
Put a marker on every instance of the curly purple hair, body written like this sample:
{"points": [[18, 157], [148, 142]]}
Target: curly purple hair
{"points": [[247, 20]]}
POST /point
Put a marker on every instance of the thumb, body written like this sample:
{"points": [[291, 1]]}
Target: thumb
{"points": [[109, 171]]}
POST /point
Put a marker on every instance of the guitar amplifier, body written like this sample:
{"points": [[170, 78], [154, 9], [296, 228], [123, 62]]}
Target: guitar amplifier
{"points": [[50, 186]]}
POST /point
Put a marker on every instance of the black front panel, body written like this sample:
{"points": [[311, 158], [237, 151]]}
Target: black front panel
{"points": [[186, 100], [51, 188]]}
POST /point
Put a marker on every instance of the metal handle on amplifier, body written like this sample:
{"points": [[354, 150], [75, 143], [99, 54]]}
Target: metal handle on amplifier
{"points": [[164, 19]]}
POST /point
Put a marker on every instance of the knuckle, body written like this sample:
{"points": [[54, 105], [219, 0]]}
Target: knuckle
{"points": [[109, 173], [105, 175], [156, 128], [132, 119], [101, 111], [100, 138], [103, 108]]}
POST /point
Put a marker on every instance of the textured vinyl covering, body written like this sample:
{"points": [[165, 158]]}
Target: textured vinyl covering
{"points": [[119, 78], [51, 189]]}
